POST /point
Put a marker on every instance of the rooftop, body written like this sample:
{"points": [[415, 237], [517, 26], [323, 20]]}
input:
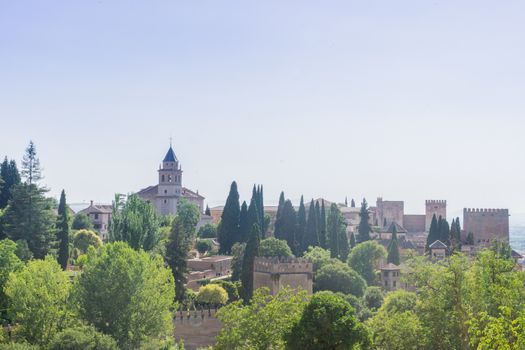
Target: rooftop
{"points": [[438, 245]]}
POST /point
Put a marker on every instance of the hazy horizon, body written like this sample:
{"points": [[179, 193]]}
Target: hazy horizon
{"points": [[410, 100]]}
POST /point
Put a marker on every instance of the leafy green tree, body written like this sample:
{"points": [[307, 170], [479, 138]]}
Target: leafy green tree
{"points": [[203, 246], [30, 217], [300, 231], [212, 294], [63, 232], [397, 331], [287, 224], [135, 222], [82, 337], [237, 260], [11, 178], [127, 294], [262, 323], [18, 346], [393, 249], [344, 246], [232, 288], [82, 222], [339, 277], [31, 170], [228, 232], [180, 242], [22, 250], [272, 246], [207, 231], [433, 232], [364, 228], [83, 239], [327, 322], [399, 301], [319, 257], [251, 251], [364, 259], [9, 263], [374, 297], [37, 297]]}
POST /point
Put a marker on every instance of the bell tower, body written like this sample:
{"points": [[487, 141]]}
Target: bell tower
{"points": [[170, 184]]}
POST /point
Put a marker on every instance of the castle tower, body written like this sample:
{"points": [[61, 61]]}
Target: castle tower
{"points": [[437, 207], [486, 225], [170, 184]]}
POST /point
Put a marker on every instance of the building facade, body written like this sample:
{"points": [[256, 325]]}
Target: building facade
{"points": [[166, 195], [100, 216]]}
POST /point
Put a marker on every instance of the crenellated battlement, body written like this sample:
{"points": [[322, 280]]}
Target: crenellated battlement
{"points": [[435, 201], [282, 265], [485, 210]]}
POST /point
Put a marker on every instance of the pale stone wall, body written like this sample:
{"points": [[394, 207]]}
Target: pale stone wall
{"points": [[414, 223], [275, 274], [437, 207], [486, 225], [392, 211]]}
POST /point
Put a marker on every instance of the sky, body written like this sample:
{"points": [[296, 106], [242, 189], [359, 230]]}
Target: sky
{"points": [[408, 100]]}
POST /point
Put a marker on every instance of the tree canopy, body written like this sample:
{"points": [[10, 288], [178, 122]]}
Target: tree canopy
{"points": [[364, 259], [272, 246]]}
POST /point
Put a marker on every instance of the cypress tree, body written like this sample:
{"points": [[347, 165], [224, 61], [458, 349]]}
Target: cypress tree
{"points": [[352, 203], [207, 211], [311, 238], [228, 231], [11, 177], [333, 230], [458, 232], [433, 233], [260, 206], [470, 238], [364, 228], [251, 251], [344, 247], [288, 224], [393, 249], [277, 226], [301, 228], [346, 201], [322, 227], [63, 232], [444, 232], [244, 227], [352, 240]]}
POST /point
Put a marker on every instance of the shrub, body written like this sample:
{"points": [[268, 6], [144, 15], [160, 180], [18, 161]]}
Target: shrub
{"points": [[84, 337], [204, 245], [338, 277], [212, 294], [208, 231]]}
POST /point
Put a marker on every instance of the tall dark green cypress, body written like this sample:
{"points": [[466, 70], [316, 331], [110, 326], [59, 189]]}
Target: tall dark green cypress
{"points": [[301, 228], [333, 226], [207, 211], [251, 251], [63, 231], [344, 247], [311, 238], [322, 227], [364, 228], [393, 249], [244, 226], [444, 231], [228, 231], [278, 220], [260, 206], [352, 203], [288, 224], [11, 177], [433, 233], [352, 240]]}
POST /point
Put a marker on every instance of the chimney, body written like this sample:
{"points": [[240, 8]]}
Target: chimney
{"points": [[91, 203]]}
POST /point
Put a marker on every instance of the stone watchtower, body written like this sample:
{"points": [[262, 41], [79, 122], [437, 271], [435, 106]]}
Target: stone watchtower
{"points": [[437, 207], [277, 273], [170, 184]]}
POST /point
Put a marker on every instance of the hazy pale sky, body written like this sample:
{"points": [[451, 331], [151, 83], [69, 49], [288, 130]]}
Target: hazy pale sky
{"points": [[409, 100]]}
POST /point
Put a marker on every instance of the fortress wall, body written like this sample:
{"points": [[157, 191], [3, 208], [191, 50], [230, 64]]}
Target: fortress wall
{"points": [[438, 207], [486, 224], [414, 223]]}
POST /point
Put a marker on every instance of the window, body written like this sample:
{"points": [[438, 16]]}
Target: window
{"points": [[96, 216], [165, 201], [169, 178], [165, 191], [162, 178], [394, 283]]}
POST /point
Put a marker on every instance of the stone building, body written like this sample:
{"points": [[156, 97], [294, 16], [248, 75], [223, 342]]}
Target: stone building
{"points": [[389, 211], [438, 250], [390, 277], [167, 193], [486, 225], [434, 207], [100, 216], [278, 273]]}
